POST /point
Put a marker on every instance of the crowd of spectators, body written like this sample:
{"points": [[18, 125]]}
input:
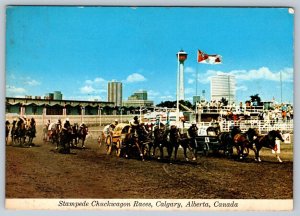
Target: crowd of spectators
{"points": [[274, 113]]}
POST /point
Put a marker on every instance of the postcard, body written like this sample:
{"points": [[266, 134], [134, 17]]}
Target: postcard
{"points": [[149, 108]]}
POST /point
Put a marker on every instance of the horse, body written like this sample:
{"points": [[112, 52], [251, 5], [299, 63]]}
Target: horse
{"points": [[132, 140], [146, 139], [64, 140], [6, 131], [267, 141], [54, 135], [31, 131], [244, 141], [177, 139], [74, 135], [13, 131], [19, 132], [82, 133], [161, 141], [226, 140]]}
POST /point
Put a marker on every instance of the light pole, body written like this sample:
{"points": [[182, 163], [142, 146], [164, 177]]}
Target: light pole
{"points": [[82, 113], [121, 110], [141, 113], [99, 111]]}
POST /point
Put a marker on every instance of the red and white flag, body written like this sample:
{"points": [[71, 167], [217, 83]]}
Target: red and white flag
{"points": [[208, 59]]}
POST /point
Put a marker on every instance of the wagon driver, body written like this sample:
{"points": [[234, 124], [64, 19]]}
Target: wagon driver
{"points": [[134, 125]]}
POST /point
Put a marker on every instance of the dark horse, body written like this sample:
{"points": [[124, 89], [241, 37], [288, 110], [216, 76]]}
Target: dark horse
{"points": [[244, 141], [74, 135], [177, 139], [161, 141], [226, 140], [18, 132], [31, 131], [6, 131], [82, 133], [267, 141], [133, 140]]}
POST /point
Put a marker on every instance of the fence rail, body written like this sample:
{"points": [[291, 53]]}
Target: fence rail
{"points": [[263, 126], [87, 119]]}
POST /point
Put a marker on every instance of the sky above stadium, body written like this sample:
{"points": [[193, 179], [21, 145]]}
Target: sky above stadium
{"points": [[77, 50]]}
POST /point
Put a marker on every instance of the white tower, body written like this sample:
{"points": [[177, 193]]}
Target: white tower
{"points": [[181, 56]]}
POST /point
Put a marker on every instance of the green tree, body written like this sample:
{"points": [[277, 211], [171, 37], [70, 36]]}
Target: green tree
{"points": [[172, 104], [256, 100], [224, 101]]}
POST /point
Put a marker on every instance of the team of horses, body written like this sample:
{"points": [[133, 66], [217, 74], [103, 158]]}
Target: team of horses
{"points": [[147, 140], [66, 137], [22, 131]]}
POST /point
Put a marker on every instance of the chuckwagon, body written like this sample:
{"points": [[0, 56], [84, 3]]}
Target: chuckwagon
{"points": [[116, 139], [208, 141], [206, 144]]}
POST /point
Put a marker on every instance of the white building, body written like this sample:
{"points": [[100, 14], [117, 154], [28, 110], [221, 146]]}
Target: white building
{"points": [[223, 86]]}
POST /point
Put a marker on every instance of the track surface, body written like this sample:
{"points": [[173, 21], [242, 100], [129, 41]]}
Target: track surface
{"points": [[41, 172]]}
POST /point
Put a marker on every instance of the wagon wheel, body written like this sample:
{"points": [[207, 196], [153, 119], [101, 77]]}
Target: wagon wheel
{"points": [[205, 149], [246, 152], [108, 144], [119, 148], [228, 151], [146, 150]]}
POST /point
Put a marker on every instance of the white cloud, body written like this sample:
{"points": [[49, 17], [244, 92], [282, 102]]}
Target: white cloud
{"points": [[191, 81], [167, 97], [32, 83], [242, 88], [87, 98], [152, 93], [135, 77], [12, 90], [263, 73], [189, 90], [87, 89], [97, 80], [189, 70]]}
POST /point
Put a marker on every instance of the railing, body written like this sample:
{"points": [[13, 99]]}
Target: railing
{"points": [[209, 109], [87, 119], [263, 126]]}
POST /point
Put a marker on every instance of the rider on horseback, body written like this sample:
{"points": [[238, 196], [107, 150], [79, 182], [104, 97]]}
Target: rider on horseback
{"points": [[7, 123], [137, 133], [193, 132], [67, 124], [134, 125]]}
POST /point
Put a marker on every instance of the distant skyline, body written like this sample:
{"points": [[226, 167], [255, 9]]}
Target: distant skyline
{"points": [[77, 50]]}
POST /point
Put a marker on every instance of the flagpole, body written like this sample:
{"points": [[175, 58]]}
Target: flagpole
{"points": [[280, 87], [177, 96], [197, 74]]}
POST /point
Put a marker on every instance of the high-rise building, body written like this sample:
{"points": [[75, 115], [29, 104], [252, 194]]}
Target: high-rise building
{"points": [[114, 92], [139, 95], [222, 86], [138, 99], [57, 95]]}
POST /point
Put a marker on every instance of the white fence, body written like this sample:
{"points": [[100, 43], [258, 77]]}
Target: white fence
{"points": [[263, 126], [87, 119]]}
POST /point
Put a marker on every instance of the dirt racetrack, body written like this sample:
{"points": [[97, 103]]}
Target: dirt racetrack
{"points": [[41, 172]]}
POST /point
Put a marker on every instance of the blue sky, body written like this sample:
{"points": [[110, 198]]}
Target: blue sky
{"points": [[77, 50]]}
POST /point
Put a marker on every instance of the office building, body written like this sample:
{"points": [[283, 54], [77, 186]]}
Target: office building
{"points": [[223, 86], [114, 92]]}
